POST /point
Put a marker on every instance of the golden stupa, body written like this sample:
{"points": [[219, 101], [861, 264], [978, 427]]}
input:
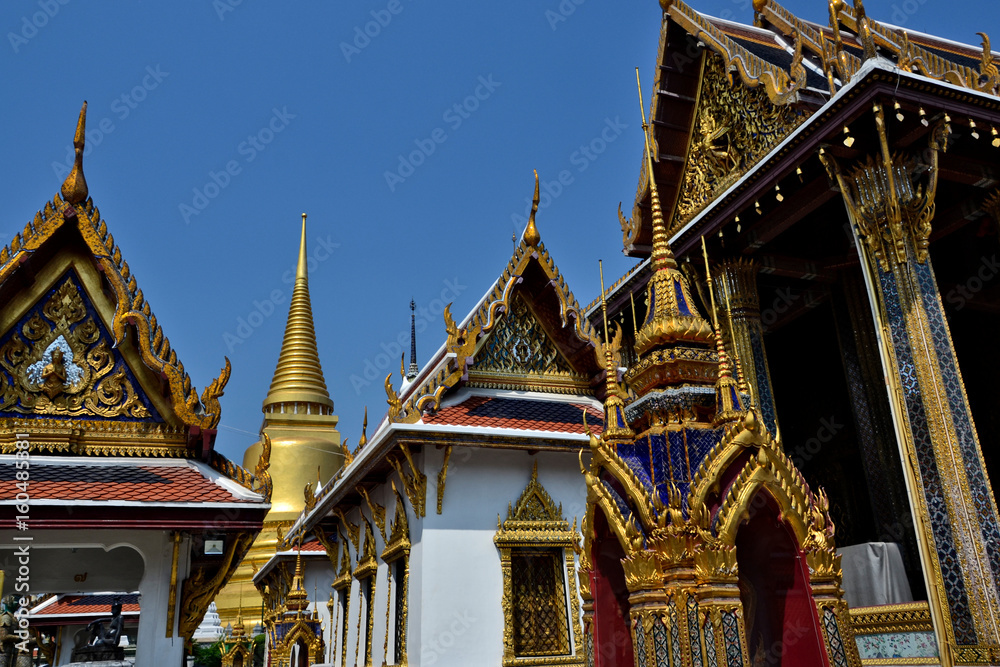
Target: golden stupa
{"points": [[305, 442]]}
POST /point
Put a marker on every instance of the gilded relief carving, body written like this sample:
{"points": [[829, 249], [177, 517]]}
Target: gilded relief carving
{"points": [[59, 362], [735, 126]]}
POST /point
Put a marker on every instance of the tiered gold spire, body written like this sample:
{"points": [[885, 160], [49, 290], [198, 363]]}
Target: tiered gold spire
{"points": [[74, 188], [298, 377], [297, 599], [672, 317]]}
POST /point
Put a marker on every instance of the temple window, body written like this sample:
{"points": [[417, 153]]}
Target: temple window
{"points": [[397, 555], [540, 602]]}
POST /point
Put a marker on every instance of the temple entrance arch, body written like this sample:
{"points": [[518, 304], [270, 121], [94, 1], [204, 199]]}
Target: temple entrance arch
{"points": [[782, 626], [612, 634]]}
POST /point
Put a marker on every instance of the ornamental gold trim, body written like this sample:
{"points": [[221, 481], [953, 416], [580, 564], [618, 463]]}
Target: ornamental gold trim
{"points": [[908, 617]]}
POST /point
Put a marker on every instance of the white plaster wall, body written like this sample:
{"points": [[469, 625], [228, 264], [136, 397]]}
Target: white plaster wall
{"points": [[461, 582], [455, 583]]}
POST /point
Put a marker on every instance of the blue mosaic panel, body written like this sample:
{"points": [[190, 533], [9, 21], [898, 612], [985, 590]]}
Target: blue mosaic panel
{"points": [[682, 304], [765, 398], [710, 655], [640, 645], [678, 458], [958, 600], [837, 650], [660, 457], [700, 443], [660, 644], [636, 464], [978, 486], [692, 618], [731, 637], [37, 315], [675, 633]]}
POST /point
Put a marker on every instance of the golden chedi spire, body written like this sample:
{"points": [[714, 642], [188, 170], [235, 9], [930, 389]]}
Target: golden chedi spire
{"points": [[531, 235], [302, 431], [298, 378], [74, 188]]}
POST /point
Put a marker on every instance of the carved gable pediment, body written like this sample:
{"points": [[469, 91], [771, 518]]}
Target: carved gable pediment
{"points": [[59, 360]]}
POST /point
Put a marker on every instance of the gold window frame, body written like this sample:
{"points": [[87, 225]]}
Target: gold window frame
{"points": [[535, 523], [398, 549]]}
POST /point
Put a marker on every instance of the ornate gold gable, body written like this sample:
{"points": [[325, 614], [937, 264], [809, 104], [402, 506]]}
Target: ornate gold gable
{"points": [[530, 259], [83, 309], [519, 354]]}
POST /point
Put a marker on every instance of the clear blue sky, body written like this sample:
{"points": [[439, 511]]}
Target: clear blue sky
{"points": [[177, 90]]}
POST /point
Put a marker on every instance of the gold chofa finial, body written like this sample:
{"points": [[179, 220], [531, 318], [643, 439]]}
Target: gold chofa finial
{"points": [[662, 255], [74, 188], [531, 235]]}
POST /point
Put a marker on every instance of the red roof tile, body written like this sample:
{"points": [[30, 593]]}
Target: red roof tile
{"points": [[124, 482], [519, 413], [87, 604]]}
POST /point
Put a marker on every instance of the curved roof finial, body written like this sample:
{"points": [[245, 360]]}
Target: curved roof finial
{"points": [[74, 188], [531, 235]]}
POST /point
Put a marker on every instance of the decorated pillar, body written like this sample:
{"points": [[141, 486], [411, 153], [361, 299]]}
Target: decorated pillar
{"points": [[736, 286], [890, 199]]}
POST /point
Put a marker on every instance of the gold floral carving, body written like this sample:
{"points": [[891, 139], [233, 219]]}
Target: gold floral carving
{"points": [[202, 586], [735, 126], [888, 207], [442, 478], [378, 511], [414, 481]]}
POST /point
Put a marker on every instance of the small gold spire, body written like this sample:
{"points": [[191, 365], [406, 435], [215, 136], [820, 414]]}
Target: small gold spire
{"points": [[74, 188], [728, 406], [663, 257], [298, 377], [531, 235], [297, 599], [364, 431]]}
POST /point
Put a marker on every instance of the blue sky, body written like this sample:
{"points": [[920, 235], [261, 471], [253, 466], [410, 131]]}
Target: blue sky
{"points": [[213, 125]]}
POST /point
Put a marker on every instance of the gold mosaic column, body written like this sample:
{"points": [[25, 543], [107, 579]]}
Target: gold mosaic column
{"points": [[891, 206], [736, 286]]}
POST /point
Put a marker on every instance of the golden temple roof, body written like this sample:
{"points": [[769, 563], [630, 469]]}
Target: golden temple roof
{"points": [[298, 377]]}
